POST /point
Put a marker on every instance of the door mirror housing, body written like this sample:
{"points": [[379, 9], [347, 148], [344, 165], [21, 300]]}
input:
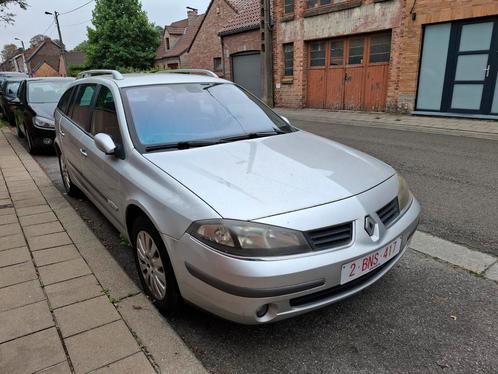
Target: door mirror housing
{"points": [[105, 144], [286, 120], [15, 101]]}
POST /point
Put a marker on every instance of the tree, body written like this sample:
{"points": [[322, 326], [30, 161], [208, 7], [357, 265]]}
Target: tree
{"points": [[5, 15], [8, 51], [81, 47], [122, 37], [37, 39]]}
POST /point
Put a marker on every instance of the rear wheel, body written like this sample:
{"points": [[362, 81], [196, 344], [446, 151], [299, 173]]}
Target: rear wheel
{"points": [[70, 188], [154, 266]]}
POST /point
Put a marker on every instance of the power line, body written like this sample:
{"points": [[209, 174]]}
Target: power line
{"points": [[77, 24], [75, 9], [48, 28]]}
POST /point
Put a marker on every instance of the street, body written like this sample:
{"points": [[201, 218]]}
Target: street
{"points": [[424, 316]]}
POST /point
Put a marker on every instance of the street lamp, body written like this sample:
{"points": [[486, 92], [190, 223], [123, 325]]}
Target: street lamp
{"points": [[22, 43]]}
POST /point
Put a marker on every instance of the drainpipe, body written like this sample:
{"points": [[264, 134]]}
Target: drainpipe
{"points": [[267, 52]]}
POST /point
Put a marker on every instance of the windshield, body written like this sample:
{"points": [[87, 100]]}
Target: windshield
{"points": [[174, 113], [11, 89], [46, 92]]}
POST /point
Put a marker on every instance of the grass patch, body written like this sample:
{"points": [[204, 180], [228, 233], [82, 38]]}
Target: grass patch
{"points": [[2, 123]]}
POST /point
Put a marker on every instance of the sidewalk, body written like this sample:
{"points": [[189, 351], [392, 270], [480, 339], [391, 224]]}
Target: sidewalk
{"points": [[65, 305], [484, 129]]}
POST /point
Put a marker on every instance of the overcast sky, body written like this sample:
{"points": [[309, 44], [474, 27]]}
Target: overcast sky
{"points": [[73, 25]]}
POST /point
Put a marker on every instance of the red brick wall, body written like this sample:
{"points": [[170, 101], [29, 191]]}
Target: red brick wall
{"points": [[207, 44], [401, 96], [46, 71], [368, 17], [236, 43], [49, 53]]}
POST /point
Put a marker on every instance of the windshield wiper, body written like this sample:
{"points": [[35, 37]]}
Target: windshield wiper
{"points": [[253, 135], [183, 145]]}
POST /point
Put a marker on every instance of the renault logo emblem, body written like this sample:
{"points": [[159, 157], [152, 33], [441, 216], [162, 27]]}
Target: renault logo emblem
{"points": [[370, 225]]}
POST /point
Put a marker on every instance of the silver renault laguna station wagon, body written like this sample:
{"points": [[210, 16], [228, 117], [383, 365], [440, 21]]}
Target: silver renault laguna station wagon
{"points": [[227, 205]]}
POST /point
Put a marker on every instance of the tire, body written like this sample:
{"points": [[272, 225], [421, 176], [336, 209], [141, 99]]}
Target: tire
{"points": [[154, 267], [32, 148], [20, 135], [70, 188]]}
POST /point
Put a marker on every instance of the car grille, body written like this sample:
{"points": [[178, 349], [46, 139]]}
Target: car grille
{"points": [[331, 237], [389, 213]]}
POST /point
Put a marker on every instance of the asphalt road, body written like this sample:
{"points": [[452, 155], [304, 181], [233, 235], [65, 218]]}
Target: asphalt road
{"points": [[423, 317]]}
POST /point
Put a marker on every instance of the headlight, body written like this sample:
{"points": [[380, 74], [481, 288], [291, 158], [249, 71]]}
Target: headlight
{"points": [[43, 123], [404, 196], [247, 239]]}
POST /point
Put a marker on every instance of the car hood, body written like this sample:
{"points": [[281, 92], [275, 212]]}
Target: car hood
{"points": [[45, 110], [258, 178]]}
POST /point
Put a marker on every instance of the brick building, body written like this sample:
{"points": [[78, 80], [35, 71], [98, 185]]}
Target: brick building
{"points": [[41, 60], [241, 47], [432, 57], [176, 39], [205, 51], [335, 54]]}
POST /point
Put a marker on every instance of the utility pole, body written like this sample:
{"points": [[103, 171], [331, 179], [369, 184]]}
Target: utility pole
{"points": [[267, 52], [56, 18]]}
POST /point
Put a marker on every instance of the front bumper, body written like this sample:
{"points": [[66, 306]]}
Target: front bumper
{"points": [[42, 136], [236, 289]]}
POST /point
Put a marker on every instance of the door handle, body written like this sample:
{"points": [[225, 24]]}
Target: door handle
{"points": [[487, 71], [61, 132], [83, 152]]}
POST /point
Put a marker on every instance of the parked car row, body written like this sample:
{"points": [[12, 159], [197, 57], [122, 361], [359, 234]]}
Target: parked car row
{"points": [[29, 105]]}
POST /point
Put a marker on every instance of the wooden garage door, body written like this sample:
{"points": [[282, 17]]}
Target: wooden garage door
{"points": [[349, 73], [246, 71]]}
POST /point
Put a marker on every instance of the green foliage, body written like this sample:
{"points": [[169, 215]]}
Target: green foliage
{"points": [[5, 15], [123, 37], [8, 51], [73, 70], [81, 47]]}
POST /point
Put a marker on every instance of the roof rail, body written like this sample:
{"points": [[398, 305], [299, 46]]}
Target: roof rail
{"points": [[191, 71], [92, 73]]}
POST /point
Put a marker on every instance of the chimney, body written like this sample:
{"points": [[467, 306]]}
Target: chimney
{"points": [[191, 15]]}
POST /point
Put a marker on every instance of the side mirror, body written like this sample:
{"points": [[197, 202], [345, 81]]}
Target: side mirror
{"points": [[15, 101], [105, 144], [286, 120]]}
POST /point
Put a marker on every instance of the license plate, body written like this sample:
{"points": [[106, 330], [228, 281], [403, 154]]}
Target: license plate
{"points": [[366, 264]]}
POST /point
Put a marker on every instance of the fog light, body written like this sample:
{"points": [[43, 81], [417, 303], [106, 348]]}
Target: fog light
{"points": [[47, 141], [262, 311]]}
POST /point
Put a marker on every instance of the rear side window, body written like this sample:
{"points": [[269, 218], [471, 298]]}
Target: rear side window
{"points": [[105, 119], [64, 102], [82, 106]]}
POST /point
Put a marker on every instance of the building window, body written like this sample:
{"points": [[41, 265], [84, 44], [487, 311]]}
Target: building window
{"points": [[337, 52], [167, 44], [288, 6], [217, 64], [317, 54], [289, 59], [356, 48], [380, 48], [315, 3]]}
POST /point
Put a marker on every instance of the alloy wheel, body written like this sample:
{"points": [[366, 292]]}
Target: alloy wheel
{"points": [[151, 265]]}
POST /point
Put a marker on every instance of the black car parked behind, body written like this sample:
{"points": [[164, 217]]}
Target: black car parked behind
{"points": [[34, 113], [8, 94]]}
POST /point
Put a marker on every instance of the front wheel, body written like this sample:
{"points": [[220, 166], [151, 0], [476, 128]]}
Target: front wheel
{"points": [[154, 266], [32, 147], [20, 135]]}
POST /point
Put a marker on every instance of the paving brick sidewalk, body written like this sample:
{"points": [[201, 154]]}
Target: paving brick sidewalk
{"points": [[486, 129], [55, 314]]}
